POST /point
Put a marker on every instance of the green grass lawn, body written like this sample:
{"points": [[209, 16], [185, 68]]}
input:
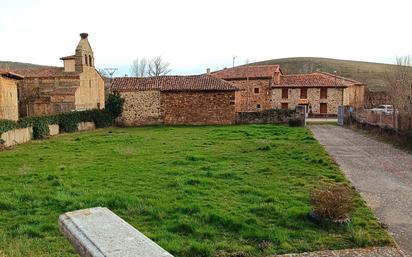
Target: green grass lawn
{"points": [[196, 191]]}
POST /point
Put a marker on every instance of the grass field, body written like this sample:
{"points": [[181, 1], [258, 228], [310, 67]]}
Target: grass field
{"points": [[196, 191]]}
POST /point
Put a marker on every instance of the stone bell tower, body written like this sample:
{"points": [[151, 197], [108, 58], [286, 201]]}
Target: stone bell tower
{"points": [[84, 54]]}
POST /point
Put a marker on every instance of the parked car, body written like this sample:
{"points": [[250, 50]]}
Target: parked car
{"points": [[385, 109]]}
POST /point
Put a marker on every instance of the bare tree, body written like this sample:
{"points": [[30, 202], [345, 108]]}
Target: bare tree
{"points": [[152, 67], [399, 82], [158, 67], [140, 68]]}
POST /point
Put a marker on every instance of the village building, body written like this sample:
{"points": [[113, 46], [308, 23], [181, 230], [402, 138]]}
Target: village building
{"points": [[265, 87], [177, 100], [76, 86], [254, 83], [8, 96], [322, 93]]}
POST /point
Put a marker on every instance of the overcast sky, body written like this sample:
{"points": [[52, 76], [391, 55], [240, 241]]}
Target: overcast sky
{"points": [[194, 35]]}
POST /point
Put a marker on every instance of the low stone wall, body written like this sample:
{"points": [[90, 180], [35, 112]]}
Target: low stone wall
{"points": [[86, 126], [266, 117], [54, 129], [17, 136]]}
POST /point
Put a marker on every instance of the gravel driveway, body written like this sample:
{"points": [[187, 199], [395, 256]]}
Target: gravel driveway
{"points": [[380, 172]]}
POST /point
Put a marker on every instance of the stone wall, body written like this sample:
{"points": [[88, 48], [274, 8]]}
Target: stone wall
{"points": [[333, 100], [248, 100], [35, 96], [198, 108], [54, 129], [354, 96], [140, 108], [81, 126], [266, 117], [17, 136], [90, 94], [8, 99]]}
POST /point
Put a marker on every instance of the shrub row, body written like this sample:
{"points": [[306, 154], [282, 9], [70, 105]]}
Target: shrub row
{"points": [[67, 122]]}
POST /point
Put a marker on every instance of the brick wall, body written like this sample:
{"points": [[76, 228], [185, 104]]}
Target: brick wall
{"points": [[140, 108], [247, 99], [198, 108], [333, 100]]}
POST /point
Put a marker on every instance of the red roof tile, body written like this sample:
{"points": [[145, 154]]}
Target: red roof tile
{"points": [[70, 57], [45, 73], [317, 79], [12, 75], [247, 71], [172, 83]]}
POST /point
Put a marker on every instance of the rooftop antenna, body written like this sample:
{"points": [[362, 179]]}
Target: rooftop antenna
{"points": [[111, 72], [233, 60]]}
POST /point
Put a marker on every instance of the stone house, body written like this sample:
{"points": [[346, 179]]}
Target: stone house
{"points": [[76, 86], [254, 83], [178, 100], [265, 87], [8, 96], [321, 92]]}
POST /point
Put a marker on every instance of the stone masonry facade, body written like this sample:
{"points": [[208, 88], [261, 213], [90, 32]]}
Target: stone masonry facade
{"points": [[140, 108], [198, 108], [254, 94], [76, 86], [176, 100], [8, 98], [332, 101]]}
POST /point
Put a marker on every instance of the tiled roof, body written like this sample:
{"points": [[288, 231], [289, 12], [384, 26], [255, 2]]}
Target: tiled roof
{"points": [[45, 73], [70, 57], [172, 83], [317, 79], [10, 75], [247, 71]]}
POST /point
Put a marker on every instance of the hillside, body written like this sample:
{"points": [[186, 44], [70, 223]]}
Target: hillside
{"points": [[373, 74], [5, 65]]}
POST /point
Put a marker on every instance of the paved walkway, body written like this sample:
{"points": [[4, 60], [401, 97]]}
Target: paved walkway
{"points": [[380, 172], [363, 252]]}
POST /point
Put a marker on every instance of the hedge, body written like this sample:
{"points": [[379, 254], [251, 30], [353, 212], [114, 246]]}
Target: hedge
{"points": [[67, 122]]}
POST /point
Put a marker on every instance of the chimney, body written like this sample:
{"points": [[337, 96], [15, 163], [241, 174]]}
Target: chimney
{"points": [[208, 71], [84, 35]]}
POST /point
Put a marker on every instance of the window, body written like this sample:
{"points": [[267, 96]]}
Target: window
{"points": [[90, 84], [85, 57], [256, 90], [323, 108], [323, 93], [258, 106], [90, 60], [285, 93], [285, 106], [303, 93]]}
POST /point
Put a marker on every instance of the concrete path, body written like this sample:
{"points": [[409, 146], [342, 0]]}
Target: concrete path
{"points": [[362, 252], [380, 172]]}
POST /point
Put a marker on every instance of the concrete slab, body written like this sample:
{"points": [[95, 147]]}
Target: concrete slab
{"points": [[98, 232]]}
